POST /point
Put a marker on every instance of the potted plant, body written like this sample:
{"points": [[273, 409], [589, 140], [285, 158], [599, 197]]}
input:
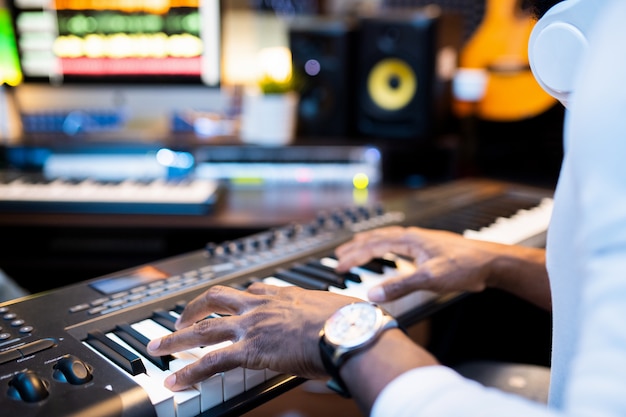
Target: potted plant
{"points": [[270, 104]]}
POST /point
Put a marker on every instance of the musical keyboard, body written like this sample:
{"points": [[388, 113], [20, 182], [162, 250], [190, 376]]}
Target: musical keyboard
{"points": [[37, 193], [82, 347]]}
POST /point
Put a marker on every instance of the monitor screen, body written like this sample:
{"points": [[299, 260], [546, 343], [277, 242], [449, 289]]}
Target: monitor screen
{"points": [[10, 72], [125, 41]]}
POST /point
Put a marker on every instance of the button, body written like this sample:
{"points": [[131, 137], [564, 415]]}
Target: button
{"points": [[79, 307], [26, 329]]}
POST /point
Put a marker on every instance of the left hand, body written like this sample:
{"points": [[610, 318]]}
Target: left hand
{"points": [[269, 327]]}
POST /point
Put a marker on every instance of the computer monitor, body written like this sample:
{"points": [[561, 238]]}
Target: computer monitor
{"points": [[10, 73], [125, 41]]}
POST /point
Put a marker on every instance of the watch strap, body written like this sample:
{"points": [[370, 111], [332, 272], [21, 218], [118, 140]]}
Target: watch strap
{"points": [[333, 364], [335, 382]]}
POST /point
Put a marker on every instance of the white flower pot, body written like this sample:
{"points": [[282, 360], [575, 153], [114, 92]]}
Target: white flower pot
{"points": [[268, 119]]}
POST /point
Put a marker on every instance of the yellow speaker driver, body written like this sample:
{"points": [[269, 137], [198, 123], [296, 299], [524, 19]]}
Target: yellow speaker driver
{"points": [[392, 84]]}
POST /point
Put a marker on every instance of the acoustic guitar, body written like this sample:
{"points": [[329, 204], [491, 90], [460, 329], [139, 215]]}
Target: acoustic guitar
{"points": [[497, 56]]}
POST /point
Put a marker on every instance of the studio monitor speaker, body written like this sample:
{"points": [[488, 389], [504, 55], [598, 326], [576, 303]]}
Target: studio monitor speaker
{"points": [[397, 73], [323, 54]]}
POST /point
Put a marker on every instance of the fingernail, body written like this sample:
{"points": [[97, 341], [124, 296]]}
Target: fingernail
{"points": [[170, 381], [376, 294], [154, 345]]}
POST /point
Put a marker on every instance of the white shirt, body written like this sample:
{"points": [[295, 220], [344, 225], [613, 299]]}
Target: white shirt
{"points": [[586, 253]]}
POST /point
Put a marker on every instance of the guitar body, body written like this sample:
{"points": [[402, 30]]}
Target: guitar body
{"points": [[499, 47]]}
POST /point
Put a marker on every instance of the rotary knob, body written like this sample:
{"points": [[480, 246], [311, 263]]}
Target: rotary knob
{"points": [[72, 370]]}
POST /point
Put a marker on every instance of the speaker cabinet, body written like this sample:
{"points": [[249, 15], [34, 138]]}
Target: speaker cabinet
{"points": [[323, 53], [397, 77]]}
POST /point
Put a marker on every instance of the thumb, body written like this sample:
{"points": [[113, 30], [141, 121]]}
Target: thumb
{"points": [[377, 294]]}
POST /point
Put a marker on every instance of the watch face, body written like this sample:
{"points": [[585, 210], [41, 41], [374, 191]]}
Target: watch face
{"points": [[353, 324]]}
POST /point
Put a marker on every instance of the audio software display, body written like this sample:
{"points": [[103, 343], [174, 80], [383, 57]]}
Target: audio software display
{"points": [[138, 41], [9, 64]]}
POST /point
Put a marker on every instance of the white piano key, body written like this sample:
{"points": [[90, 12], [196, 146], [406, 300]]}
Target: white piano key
{"points": [[130, 191], [233, 380], [253, 377], [161, 398], [524, 227], [211, 389], [187, 402], [370, 279], [277, 282]]}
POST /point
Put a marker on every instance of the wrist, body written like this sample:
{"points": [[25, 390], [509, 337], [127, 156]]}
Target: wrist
{"points": [[369, 372], [349, 331]]}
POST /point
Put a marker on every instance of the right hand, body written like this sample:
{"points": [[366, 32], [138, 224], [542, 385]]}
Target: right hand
{"points": [[445, 261]]}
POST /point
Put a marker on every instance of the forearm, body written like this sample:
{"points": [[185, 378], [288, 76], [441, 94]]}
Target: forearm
{"points": [[522, 271], [368, 372]]}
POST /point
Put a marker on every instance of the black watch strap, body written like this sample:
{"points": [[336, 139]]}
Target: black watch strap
{"points": [[335, 382]]}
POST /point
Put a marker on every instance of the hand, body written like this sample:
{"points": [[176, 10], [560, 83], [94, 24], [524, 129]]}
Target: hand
{"points": [[445, 261], [269, 327]]}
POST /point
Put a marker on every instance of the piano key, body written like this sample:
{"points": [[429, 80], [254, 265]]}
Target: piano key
{"points": [[161, 398], [391, 263], [139, 342], [233, 381], [526, 226], [370, 279], [165, 319], [277, 282], [301, 280], [350, 276], [211, 389], [125, 359], [186, 402], [327, 276], [373, 266], [193, 196]]}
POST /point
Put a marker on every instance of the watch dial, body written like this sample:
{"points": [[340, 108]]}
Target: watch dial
{"points": [[352, 325]]}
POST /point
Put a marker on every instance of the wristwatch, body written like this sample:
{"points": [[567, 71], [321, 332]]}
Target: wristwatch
{"points": [[351, 329]]}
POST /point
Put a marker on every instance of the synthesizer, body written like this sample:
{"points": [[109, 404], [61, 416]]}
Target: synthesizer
{"points": [[38, 193], [80, 350]]}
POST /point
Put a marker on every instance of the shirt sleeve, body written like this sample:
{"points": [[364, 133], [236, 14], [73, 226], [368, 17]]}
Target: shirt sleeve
{"points": [[438, 391]]}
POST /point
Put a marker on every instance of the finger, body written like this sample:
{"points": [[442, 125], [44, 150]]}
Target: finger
{"points": [[431, 275], [260, 288], [206, 332], [219, 299], [360, 252], [216, 361], [394, 288]]}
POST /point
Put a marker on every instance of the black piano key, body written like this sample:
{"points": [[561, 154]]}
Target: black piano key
{"points": [[301, 280], [179, 307], [386, 262], [329, 276], [139, 342], [374, 265], [349, 276], [119, 355], [165, 319]]}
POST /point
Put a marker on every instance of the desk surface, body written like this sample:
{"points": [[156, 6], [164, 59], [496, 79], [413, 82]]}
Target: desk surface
{"points": [[237, 208]]}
